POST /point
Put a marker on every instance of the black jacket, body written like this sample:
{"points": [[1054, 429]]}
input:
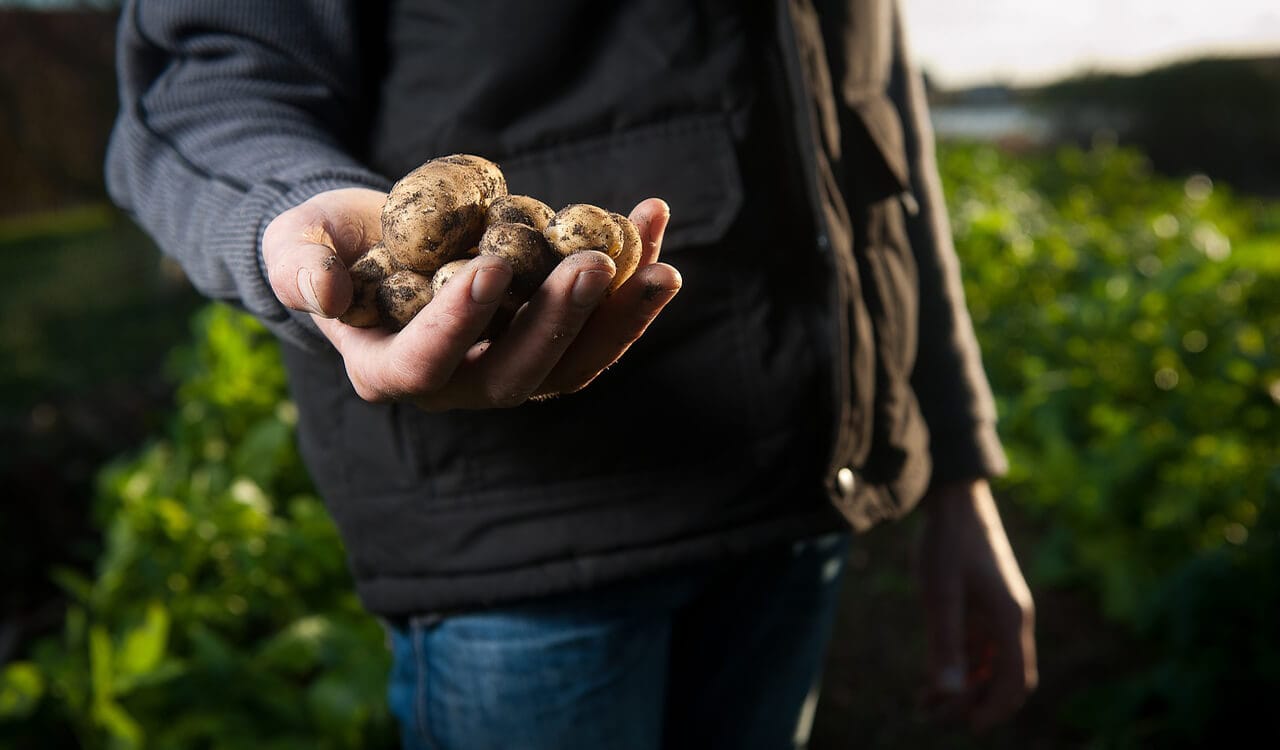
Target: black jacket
{"points": [[820, 330]]}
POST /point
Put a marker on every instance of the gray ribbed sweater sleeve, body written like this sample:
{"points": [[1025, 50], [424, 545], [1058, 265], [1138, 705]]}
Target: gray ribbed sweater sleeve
{"points": [[232, 111]]}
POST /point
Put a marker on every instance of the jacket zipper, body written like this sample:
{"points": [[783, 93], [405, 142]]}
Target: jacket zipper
{"points": [[806, 143]]}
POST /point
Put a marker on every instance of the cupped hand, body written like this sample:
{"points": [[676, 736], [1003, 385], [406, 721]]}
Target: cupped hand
{"points": [[566, 335], [981, 618]]}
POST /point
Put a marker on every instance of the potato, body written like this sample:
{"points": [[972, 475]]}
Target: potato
{"points": [[456, 207], [446, 272], [528, 252], [366, 274], [436, 212], [519, 209], [487, 174], [628, 257], [401, 296], [580, 227]]}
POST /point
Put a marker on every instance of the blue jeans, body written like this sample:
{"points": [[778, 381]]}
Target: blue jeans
{"points": [[710, 657]]}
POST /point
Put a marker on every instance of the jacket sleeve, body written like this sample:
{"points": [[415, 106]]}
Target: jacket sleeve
{"points": [[949, 379], [230, 113]]}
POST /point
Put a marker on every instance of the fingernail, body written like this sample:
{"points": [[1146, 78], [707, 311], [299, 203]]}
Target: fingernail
{"points": [[590, 286], [306, 285], [666, 214], [488, 285]]}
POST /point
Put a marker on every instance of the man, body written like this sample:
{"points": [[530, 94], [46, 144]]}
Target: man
{"points": [[569, 556]]}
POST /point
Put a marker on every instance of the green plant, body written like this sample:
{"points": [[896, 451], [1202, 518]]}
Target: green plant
{"points": [[221, 614], [1131, 328]]}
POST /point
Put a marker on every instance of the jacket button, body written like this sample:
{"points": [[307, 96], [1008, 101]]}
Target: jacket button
{"points": [[847, 481]]}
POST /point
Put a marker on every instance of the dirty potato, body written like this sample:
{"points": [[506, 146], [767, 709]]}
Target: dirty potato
{"points": [[581, 227], [526, 249], [456, 207], [628, 257], [437, 211], [519, 209], [446, 272], [401, 296], [366, 274]]}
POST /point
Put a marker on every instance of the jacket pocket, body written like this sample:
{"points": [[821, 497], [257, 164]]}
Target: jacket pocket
{"points": [[879, 157], [689, 162]]}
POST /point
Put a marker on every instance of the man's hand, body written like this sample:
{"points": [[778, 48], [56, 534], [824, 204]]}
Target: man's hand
{"points": [[981, 621], [566, 335]]}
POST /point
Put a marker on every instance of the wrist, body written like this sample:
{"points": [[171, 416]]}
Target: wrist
{"points": [[953, 489]]}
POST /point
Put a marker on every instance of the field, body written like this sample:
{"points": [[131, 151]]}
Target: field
{"points": [[1131, 327]]}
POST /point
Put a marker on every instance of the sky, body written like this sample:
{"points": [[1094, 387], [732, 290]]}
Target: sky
{"points": [[967, 42]]}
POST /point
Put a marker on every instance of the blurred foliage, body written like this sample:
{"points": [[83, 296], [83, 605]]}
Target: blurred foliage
{"points": [[1131, 326], [75, 277], [90, 310], [1131, 329], [221, 614]]}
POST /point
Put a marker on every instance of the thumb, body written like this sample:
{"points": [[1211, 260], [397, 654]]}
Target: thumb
{"points": [[308, 276], [304, 249]]}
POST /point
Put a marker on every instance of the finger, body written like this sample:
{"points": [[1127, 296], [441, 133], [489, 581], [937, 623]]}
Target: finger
{"points": [[1014, 675], [365, 345], [1012, 672], [514, 367], [651, 217], [944, 600], [419, 361], [309, 276], [614, 327], [350, 220], [306, 249]]}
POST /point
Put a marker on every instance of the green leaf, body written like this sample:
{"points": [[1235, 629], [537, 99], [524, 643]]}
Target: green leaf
{"points": [[72, 582], [21, 688], [100, 663], [297, 648], [144, 645], [336, 705], [125, 733], [166, 670], [212, 651], [259, 454], [75, 628]]}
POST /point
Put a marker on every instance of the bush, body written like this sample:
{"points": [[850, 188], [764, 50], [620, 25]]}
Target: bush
{"points": [[221, 614], [1131, 328]]}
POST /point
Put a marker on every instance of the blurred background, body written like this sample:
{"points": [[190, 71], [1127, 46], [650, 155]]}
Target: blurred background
{"points": [[169, 579]]}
